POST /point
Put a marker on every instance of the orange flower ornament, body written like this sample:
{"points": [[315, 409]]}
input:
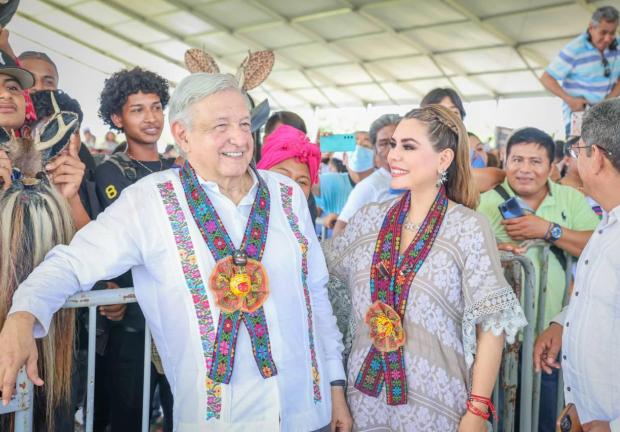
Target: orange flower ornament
{"points": [[386, 328], [239, 285]]}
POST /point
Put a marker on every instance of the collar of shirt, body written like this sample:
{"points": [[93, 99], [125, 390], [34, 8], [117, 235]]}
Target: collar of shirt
{"points": [[213, 187], [588, 45], [610, 218]]}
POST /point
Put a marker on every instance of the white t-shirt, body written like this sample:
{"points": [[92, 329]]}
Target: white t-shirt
{"points": [[373, 189]]}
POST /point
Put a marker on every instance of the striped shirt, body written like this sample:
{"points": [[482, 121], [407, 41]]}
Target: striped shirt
{"points": [[579, 67]]}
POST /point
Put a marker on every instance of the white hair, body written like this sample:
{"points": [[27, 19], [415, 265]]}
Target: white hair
{"points": [[193, 89]]}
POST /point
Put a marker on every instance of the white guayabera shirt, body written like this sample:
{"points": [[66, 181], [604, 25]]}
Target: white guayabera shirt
{"points": [[153, 236], [591, 321]]}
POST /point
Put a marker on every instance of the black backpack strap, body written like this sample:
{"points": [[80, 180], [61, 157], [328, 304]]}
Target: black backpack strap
{"points": [[502, 192], [124, 164], [559, 255]]}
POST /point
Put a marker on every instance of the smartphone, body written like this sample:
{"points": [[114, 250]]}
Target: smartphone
{"points": [[511, 209], [568, 421], [337, 143]]}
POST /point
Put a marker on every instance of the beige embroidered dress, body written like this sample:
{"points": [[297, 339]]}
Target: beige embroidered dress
{"points": [[461, 284]]}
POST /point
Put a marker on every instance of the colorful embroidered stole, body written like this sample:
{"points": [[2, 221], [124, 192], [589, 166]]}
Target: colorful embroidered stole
{"points": [[195, 284], [286, 195], [390, 281], [221, 246]]}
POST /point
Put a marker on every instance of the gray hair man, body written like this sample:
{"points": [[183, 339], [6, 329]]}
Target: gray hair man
{"points": [[194, 239], [588, 329], [587, 69], [376, 187]]}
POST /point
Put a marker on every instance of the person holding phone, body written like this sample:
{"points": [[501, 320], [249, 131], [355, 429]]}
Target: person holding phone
{"points": [[558, 214], [588, 329], [588, 67]]}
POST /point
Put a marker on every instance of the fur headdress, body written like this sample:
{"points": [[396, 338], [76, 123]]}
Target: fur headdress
{"points": [[252, 72]]}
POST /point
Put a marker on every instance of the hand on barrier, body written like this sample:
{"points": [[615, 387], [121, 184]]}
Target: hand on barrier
{"points": [[513, 248], [547, 348], [113, 312], [17, 348]]}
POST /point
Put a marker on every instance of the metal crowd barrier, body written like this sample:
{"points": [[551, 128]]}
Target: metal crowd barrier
{"points": [[505, 390], [22, 403], [530, 385]]}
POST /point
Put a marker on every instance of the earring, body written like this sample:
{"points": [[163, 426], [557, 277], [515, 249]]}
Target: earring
{"points": [[442, 179]]}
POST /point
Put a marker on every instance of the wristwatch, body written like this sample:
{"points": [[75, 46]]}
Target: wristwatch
{"points": [[555, 232]]}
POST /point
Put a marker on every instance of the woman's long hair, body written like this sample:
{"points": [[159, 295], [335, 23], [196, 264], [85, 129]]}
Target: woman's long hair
{"points": [[34, 218], [447, 131]]}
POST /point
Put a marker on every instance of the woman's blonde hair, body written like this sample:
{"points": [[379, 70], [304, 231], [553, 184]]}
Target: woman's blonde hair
{"points": [[447, 131], [34, 218]]}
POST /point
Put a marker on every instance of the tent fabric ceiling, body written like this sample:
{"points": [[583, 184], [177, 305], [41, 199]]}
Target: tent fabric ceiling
{"points": [[329, 53]]}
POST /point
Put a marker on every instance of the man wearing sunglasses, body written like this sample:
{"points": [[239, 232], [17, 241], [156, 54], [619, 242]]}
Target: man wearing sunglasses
{"points": [[588, 329], [588, 67]]}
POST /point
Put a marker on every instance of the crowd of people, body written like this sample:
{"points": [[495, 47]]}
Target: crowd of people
{"points": [[292, 289]]}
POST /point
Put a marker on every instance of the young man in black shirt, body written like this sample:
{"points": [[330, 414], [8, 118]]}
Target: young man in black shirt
{"points": [[132, 102]]}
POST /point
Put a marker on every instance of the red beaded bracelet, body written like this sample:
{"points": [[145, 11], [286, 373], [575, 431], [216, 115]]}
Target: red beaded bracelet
{"points": [[477, 411]]}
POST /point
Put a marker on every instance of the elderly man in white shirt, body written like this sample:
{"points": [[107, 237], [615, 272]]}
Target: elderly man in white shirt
{"points": [[588, 329], [227, 269], [376, 187]]}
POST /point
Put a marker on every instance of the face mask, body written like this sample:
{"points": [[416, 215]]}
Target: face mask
{"points": [[361, 159]]}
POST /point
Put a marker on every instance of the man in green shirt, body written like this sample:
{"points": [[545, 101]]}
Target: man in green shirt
{"points": [[559, 215]]}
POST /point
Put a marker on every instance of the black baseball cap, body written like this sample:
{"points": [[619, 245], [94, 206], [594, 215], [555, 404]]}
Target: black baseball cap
{"points": [[9, 67]]}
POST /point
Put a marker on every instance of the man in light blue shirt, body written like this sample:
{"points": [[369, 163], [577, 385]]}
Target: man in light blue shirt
{"points": [[588, 329], [588, 67]]}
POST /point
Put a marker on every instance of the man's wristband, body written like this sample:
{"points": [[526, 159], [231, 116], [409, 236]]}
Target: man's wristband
{"points": [[338, 383]]}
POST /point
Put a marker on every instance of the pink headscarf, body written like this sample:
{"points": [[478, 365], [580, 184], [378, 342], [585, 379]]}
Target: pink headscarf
{"points": [[285, 143]]}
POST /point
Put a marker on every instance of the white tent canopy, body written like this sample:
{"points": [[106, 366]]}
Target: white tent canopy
{"points": [[330, 53]]}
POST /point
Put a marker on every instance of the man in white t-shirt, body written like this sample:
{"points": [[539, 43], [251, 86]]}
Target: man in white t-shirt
{"points": [[376, 187]]}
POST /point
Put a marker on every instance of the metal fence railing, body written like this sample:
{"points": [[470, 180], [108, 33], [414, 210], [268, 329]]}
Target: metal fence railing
{"points": [[22, 402], [517, 358]]}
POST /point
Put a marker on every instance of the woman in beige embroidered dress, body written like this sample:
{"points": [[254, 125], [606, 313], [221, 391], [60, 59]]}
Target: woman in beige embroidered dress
{"points": [[432, 366]]}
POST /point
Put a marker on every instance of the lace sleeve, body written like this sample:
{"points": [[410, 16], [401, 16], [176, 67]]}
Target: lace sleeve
{"points": [[489, 301], [500, 313]]}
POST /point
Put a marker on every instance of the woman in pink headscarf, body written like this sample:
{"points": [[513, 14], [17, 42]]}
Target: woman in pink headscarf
{"points": [[289, 151]]}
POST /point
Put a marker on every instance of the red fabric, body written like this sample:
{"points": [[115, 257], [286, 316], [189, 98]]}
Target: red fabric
{"points": [[31, 115], [285, 143]]}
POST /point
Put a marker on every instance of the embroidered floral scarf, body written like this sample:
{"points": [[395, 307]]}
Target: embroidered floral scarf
{"points": [[221, 246], [390, 281]]}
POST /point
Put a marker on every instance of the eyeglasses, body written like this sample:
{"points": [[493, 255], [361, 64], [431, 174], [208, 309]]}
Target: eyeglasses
{"points": [[606, 66], [572, 150]]}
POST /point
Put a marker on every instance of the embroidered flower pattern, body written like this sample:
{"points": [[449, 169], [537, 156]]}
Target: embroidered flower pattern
{"points": [[193, 279], [286, 194], [386, 328], [234, 291]]}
